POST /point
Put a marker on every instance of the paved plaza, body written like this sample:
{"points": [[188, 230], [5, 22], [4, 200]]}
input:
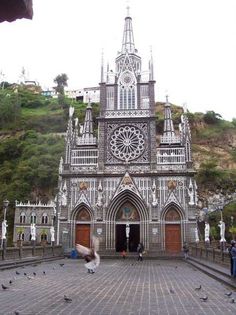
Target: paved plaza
{"points": [[118, 287]]}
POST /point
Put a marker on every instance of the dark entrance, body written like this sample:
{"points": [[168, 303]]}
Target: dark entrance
{"points": [[121, 240]]}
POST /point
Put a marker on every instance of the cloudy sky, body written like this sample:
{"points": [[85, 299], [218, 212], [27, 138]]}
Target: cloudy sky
{"points": [[193, 44]]}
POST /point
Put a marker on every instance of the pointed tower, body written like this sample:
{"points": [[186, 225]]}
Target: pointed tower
{"points": [[169, 136], [87, 137]]}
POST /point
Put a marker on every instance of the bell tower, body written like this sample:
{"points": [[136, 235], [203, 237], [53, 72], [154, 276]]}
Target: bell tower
{"points": [[127, 117]]}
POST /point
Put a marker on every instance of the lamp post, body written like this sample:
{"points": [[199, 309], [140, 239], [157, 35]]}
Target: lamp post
{"points": [[4, 228]]}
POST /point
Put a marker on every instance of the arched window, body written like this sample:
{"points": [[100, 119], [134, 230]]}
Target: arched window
{"points": [[22, 217], [33, 218], [45, 218]]}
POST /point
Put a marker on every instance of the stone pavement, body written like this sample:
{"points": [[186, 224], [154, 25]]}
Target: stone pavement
{"points": [[118, 287]]}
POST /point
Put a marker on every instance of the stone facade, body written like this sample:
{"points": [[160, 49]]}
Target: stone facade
{"points": [[123, 178], [42, 215]]}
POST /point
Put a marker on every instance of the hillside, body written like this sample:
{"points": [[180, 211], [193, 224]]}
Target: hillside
{"points": [[31, 134]]}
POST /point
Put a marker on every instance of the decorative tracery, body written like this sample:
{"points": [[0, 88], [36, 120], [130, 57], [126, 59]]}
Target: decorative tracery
{"points": [[127, 143]]}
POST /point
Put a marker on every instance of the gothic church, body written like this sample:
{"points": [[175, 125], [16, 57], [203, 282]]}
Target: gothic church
{"points": [[124, 186]]}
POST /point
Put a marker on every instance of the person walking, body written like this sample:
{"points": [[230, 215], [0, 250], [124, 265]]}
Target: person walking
{"points": [[230, 255], [140, 250], [186, 250], [233, 253]]}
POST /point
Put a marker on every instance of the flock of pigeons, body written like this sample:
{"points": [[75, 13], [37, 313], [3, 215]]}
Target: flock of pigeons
{"points": [[92, 260]]}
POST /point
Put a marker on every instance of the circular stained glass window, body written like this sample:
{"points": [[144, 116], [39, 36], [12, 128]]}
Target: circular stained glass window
{"points": [[127, 143]]}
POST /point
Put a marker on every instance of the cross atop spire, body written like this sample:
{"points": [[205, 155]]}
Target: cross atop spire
{"points": [[128, 8]]}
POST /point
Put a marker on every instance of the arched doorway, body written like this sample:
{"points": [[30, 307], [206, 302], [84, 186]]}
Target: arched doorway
{"points": [[127, 214], [82, 235], [172, 231]]}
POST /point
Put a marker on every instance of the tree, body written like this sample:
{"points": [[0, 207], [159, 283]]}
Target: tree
{"points": [[211, 117], [61, 81]]}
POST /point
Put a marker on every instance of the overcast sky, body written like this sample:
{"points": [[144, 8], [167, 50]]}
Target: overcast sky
{"points": [[193, 44]]}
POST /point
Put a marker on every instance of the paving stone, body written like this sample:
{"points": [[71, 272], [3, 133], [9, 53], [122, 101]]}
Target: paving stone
{"points": [[117, 287]]}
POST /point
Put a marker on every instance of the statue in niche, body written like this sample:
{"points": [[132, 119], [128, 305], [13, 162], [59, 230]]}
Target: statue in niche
{"points": [[191, 194], [154, 199]]}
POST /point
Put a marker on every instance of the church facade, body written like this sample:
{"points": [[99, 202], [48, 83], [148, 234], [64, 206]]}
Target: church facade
{"points": [[123, 185]]}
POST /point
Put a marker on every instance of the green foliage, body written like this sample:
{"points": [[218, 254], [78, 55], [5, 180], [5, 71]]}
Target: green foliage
{"points": [[9, 108], [211, 117]]}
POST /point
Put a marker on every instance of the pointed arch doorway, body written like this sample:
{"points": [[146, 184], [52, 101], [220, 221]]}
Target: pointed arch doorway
{"points": [[83, 228], [172, 231], [127, 214]]}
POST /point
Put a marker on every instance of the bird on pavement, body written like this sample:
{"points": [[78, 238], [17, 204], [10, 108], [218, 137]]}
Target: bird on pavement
{"points": [[90, 255], [44, 272], [10, 281], [4, 287], [232, 301], [61, 265], [228, 294], [204, 298], [67, 299], [17, 272], [17, 313], [25, 274], [198, 288], [34, 273], [172, 291]]}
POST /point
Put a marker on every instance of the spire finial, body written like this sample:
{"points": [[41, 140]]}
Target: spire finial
{"points": [[185, 107], [128, 8], [167, 98]]}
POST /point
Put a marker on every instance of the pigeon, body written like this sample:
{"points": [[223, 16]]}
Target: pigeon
{"points": [[172, 291], [44, 273], [198, 288], [228, 294], [176, 267], [29, 278], [232, 301], [25, 274], [61, 265], [67, 299], [17, 313], [17, 273], [90, 255], [34, 273], [10, 282], [4, 287], [204, 298]]}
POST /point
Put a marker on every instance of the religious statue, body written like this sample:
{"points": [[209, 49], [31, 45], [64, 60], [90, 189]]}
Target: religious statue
{"points": [[154, 199], [4, 229], [191, 194], [99, 200], [52, 232], [222, 231], [127, 230], [196, 235], [207, 232], [33, 231]]}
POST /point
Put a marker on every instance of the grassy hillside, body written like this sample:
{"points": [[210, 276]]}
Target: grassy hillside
{"points": [[32, 131]]}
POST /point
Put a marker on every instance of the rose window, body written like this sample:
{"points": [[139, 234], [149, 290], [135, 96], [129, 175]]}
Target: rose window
{"points": [[127, 143]]}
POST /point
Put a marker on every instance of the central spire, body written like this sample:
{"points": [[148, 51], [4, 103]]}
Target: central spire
{"points": [[128, 36]]}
